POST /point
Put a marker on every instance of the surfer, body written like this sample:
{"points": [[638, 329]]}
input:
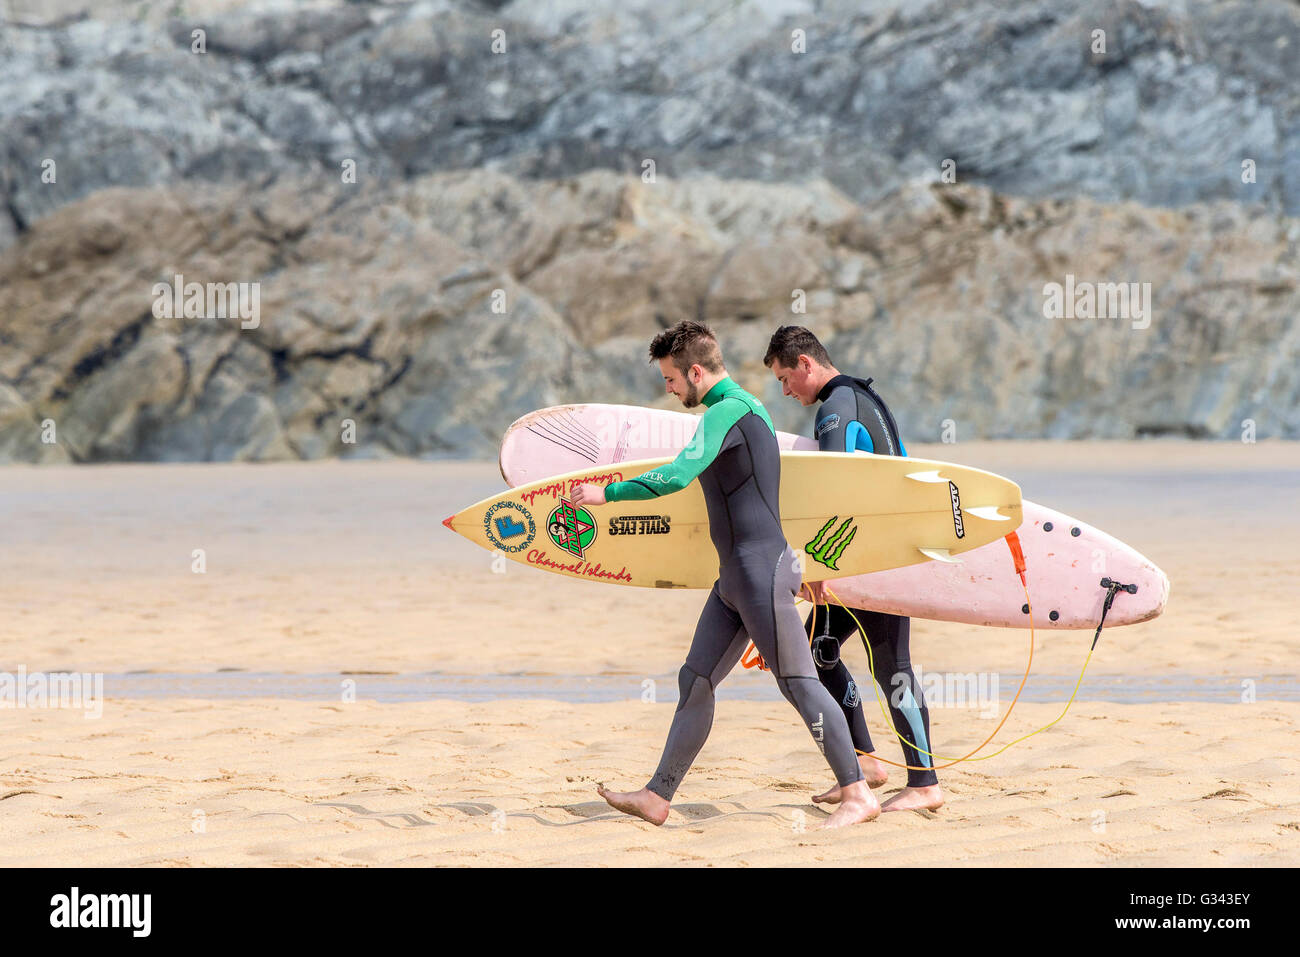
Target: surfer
{"points": [[735, 456], [853, 417]]}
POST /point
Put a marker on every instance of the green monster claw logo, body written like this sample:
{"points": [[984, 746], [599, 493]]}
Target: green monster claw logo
{"points": [[828, 551], [571, 528]]}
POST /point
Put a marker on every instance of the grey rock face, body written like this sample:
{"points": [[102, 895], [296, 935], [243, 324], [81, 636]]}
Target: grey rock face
{"points": [[374, 331], [1019, 96], [494, 255], [422, 319]]}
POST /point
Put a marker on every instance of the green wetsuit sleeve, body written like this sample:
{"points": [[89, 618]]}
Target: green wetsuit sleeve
{"points": [[690, 462]]}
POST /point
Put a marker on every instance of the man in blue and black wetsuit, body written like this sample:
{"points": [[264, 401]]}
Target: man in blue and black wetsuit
{"points": [[853, 418], [735, 456]]}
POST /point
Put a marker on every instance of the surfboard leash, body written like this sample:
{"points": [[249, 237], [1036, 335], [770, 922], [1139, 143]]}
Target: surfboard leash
{"points": [[1018, 557], [1111, 587], [969, 756]]}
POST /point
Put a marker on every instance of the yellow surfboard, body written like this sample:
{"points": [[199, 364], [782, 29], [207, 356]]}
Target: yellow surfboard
{"points": [[842, 514]]}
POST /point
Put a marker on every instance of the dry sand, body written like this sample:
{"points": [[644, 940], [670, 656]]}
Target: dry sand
{"points": [[273, 782], [333, 567]]}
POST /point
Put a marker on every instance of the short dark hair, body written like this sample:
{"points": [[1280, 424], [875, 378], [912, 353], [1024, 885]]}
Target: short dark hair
{"points": [[688, 343], [790, 342]]}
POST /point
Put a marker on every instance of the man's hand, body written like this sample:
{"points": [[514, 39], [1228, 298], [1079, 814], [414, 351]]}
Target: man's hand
{"points": [[814, 592], [588, 495]]}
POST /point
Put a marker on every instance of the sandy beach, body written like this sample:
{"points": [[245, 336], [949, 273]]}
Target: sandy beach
{"points": [[343, 568], [197, 783]]}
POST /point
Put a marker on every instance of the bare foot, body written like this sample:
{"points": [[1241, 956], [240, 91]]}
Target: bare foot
{"points": [[915, 799], [857, 804], [644, 804], [875, 773]]}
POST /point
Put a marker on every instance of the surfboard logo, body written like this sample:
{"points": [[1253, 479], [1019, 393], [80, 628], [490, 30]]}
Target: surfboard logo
{"points": [[956, 510], [827, 550], [509, 527], [571, 528], [640, 525]]}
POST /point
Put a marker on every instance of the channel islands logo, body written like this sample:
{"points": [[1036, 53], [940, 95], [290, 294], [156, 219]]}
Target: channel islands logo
{"points": [[571, 528], [827, 551]]}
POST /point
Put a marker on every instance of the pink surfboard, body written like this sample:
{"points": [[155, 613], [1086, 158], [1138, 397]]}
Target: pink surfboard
{"points": [[1065, 559]]}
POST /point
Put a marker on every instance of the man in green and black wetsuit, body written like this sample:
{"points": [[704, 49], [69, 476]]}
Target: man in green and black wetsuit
{"points": [[853, 418], [735, 456]]}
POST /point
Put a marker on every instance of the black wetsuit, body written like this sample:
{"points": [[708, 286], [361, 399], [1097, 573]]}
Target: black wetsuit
{"points": [[735, 455], [851, 418]]}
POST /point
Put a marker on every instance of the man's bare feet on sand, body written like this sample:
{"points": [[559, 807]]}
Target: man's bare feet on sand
{"points": [[857, 804], [644, 804], [875, 773], [915, 799]]}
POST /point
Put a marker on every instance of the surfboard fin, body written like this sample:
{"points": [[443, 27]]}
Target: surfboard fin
{"points": [[940, 555], [988, 512], [930, 476]]}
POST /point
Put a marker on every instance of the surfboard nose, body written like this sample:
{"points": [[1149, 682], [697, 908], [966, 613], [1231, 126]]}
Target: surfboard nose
{"points": [[447, 521]]}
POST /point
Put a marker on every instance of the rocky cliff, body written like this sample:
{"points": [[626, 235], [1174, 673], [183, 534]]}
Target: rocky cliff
{"points": [[442, 237]]}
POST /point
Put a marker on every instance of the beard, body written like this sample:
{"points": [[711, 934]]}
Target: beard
{"points": [[692, 397]]}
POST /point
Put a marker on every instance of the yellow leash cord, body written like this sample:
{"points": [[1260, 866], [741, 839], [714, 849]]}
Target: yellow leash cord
{"points": [[969, 756]]}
